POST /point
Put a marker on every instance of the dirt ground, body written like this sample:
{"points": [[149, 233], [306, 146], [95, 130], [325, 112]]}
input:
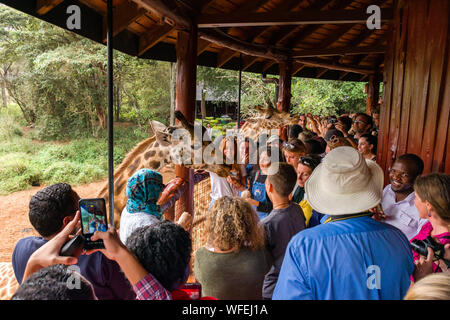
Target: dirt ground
{"points": [[14, 223]]}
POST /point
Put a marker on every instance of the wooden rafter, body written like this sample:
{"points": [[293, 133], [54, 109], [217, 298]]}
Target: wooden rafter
{"points": [[321, 72], [202, 45], [44, 6], [224, 56], [287, 32], [249, 6], [297, 67], [247, 62], [148, 40], [123, 15], [171, 16], [246, 19]]}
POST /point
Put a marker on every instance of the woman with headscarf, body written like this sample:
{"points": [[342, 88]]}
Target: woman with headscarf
{"points": [[143, 190]]}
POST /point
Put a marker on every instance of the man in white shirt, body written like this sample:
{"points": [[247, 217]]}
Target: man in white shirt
{"points": [[398, 197]]}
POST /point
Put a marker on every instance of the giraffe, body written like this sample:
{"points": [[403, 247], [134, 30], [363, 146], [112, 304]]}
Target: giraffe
{"points": [[266, 119], [8, 282], [155, 153]]}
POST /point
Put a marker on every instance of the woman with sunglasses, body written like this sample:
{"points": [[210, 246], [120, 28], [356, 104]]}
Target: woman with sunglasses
{"points": [[293, 150], [305, 167]]}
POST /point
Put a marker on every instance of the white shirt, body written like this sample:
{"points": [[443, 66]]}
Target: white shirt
{"points": [[131, 221], [403, 214], [220, 187]]}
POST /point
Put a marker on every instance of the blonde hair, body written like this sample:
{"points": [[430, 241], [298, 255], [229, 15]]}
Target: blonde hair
{"points": [[232, 223], [435, 188], [435, 286]]}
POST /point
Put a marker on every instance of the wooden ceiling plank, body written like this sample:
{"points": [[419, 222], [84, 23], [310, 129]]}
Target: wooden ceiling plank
{"points": [[44, 6], [149, 39], [245, 19]]}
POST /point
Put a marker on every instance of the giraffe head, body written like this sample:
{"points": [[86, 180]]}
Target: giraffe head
{"points": [[266, 119], [177, 144]]}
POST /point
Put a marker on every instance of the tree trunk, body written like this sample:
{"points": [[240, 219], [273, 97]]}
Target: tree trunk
{"points": [[172, 92], [5, 103]]}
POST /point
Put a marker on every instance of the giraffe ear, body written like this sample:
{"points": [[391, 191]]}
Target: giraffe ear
{"points": [[163, 138], [157, 126]]}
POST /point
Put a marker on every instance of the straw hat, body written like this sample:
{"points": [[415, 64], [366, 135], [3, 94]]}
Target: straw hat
{"points": [[344, 183]]}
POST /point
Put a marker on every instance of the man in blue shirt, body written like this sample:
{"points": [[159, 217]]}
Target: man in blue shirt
{"points": [[351, 256]]}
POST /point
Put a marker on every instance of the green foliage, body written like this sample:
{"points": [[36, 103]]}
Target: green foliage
{"points": [[326, 97], [25, 162]]}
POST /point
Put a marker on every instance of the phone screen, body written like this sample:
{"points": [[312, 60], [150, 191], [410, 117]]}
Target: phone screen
{"points": [[93, 218]]}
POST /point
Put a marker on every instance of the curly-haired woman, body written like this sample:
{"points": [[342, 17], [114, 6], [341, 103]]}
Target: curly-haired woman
{"points": [[234, 261]]}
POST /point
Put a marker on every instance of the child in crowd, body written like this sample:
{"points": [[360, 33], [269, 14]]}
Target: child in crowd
{"points": [[284, 221]]}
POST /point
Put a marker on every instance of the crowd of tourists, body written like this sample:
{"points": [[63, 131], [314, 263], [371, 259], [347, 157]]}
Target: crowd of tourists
{"points": [[323, 226]]}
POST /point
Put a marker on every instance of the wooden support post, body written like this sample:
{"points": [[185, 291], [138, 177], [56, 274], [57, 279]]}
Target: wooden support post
{"points": [[185, 102], [284, 93], [373, 93]]}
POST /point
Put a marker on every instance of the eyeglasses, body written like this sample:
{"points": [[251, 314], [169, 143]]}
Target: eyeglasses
{"points": [[359, 121], [402, 174]]}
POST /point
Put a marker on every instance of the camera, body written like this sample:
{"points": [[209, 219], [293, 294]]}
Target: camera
{"points": [[421, 247], [332, 121]]}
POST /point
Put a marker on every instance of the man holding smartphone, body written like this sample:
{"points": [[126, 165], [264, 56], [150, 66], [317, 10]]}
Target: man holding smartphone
{"points": [[51, 209]]}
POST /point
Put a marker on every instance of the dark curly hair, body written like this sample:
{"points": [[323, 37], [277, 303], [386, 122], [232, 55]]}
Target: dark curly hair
{"points": [[52, 283], [49, 206], [164, 250]]}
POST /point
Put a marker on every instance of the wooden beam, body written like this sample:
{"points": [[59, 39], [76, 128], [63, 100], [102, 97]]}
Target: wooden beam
{"points": [[123, 15], [245, 19], [335, 66], [284, 85], [44, 6], [224, 40], [148, 40], [171, 16], [337, 51]]}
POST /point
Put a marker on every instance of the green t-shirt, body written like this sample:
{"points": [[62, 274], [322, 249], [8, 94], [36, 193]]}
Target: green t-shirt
{"points": [[232, 276]]}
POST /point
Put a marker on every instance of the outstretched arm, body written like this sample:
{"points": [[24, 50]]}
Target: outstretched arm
{"points": [[48, 254]]}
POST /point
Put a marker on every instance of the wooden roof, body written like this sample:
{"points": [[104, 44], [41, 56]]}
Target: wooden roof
{"points": [[326, 39]]}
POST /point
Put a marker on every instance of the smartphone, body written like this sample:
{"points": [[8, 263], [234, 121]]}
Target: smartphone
{"points": [[194, 290], [93, 218]]}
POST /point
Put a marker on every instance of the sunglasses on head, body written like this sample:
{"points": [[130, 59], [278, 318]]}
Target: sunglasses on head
{"points": [[289, 146], [307, 161]]}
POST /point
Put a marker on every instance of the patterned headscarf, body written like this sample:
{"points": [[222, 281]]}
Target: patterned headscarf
{"points": [[143, 190]]}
